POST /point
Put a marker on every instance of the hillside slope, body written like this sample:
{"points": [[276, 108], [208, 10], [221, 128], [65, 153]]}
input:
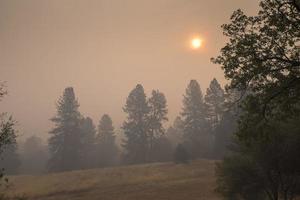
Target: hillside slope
{"points": [[162, 181]]}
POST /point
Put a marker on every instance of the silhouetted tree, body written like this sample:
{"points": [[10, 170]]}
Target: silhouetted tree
{"points": [[136, 126], [107, 150], [214, 100], [65, 139], [7, 132], [262, 59], [263, 56], [263, 169], [196, 129], [157, 116]]}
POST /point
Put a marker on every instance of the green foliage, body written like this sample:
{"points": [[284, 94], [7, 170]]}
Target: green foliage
{"points": [[262, 60], [269, 168], [238, 178], [7, 132], [263, 56], [7, 136]]}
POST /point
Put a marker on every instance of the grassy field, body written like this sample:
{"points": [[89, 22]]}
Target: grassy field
{"points": [[162, 181]]}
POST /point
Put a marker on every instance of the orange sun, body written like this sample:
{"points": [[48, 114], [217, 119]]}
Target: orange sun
{"points": [[196, 43]]}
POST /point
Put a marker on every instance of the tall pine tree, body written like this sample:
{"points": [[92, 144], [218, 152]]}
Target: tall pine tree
{"points": [[65, 138], [214, 100], [135, 126], [107, 150], [195, 126], [156, 117]]}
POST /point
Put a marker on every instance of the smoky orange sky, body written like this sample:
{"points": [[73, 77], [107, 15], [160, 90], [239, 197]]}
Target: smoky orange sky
{"points": [[103, 48]]}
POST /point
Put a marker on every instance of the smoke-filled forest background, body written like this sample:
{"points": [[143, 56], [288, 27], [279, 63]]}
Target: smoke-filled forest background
{"points": [[146, 137]]}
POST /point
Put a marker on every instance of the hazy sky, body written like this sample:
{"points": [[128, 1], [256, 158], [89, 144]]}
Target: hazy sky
{"points": [[103, 48]]}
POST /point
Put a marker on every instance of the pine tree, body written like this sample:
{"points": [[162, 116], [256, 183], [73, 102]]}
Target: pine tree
{"points": [[136, 126], [107, 150], [214, 100], [195, 126], [156, 117], [88, 135], [65, 139]]}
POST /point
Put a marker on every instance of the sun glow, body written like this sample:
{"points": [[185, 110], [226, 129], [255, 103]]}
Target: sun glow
{"points": [[196, 43]]}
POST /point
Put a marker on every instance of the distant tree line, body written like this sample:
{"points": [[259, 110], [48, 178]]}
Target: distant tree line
{"points": [[75, 143], [202, 130]]}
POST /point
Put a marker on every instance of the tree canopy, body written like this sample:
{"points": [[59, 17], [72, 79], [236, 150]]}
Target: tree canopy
{"points": [[263, 55]]}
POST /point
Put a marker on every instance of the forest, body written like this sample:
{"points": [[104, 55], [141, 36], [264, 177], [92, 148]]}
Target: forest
{"points": [[248, 128]]}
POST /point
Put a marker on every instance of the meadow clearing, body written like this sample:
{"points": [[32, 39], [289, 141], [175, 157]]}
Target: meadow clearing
{"points": [[159, 181]]}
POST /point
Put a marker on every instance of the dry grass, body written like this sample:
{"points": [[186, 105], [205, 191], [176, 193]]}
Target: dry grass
{"points": [[163, 181]]}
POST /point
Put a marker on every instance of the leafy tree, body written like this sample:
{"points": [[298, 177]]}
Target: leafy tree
{"points": [[136, 126], [65, 138], [88, 137], [264, 169], [107, 150], [7, 131], [214, 100], [34, 156], [181, 155], [263, 57], [262, 60], [157, 116], [195, 125], [238, 178], [224, 134]]}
